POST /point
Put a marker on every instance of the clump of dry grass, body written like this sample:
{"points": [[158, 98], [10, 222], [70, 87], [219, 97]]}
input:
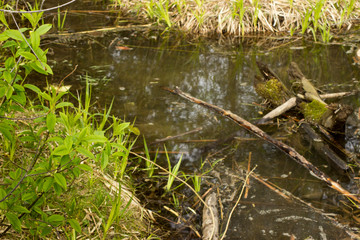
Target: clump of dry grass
{"points": [[239, 17]]}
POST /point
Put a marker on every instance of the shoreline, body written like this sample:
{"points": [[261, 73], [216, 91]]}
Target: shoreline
{"points": [[239, 17]]}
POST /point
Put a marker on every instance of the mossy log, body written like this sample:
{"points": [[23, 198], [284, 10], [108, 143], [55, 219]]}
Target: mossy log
{"points": [[332, 117], [312, 106], [270, 87]]}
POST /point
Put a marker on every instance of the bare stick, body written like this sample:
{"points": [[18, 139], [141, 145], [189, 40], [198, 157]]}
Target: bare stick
{"points": [[260, 133], [176, 136], [248, 180], [37, 11], [331, 95], [279, 110], [209, 224]]}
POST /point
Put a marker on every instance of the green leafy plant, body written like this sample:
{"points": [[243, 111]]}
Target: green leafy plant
{"points": [[61, 22], [256, 13], [196, 179], [150, 167], [238, 10], [318, 10], [43, 158], [306, 20], [174, 170], [160, 11]]}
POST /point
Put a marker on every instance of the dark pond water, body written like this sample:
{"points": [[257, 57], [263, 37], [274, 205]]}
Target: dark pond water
{"points": [[221, 74]]}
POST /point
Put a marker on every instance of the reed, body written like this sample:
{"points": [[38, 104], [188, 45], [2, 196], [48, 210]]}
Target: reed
{"points": [[239, 17]]}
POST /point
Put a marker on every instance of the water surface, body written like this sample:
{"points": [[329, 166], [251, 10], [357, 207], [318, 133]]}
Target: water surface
{"points": [[221, 74]]}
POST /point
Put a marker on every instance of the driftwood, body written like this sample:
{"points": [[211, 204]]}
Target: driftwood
{"points": [[284, 147], [330, 95], [315, 110], [333, 116], [84, 35], [279, 110], [210, 224], [270, 86]]}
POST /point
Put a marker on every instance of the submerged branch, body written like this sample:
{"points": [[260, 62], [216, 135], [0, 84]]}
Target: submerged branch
{"points": [[260, 133]]}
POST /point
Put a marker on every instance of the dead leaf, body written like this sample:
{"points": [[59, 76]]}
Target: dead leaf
{"points": [[123, 48]]}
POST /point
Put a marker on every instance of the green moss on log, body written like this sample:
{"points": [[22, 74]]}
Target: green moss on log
{"points": [[314, 111], [273, 90]]}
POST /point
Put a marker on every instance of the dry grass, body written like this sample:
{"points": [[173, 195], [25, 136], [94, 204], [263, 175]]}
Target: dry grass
{"points": [[213, 17]]}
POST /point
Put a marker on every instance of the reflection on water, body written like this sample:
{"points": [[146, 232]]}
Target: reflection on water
{"points": [[221, 75]]}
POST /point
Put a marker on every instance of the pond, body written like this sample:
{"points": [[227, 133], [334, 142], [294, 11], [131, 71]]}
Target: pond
{"points": [[128, 68]]}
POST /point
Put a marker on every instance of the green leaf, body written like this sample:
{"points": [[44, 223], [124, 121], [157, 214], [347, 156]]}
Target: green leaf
{"points": [[48, 184], [7, 76], [57, 189], [34, 39], [33, 88], [43, 29], [19, 88], [30, 17], [6, 130], [45, 96], [20, 209], [9, 44], [56, 219], [15, 174], [50, 121], [64, 104], [3, 37], [69, 142], [61, 150], [120, 128], [60, 179], [14, 221], [85, 167], [28, 55], [85, 152], [3, 19], [104, 161], [75, 225], [9, 92], [44, 229], [28, 196], [48, 68], [3, 204], [95, 139], [134, 130], [37, 67], [82, 134], [19, 98], [9, 63], [14, 34]]}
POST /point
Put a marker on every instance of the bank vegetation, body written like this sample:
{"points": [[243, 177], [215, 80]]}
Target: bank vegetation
{"points": [[239, 17]]}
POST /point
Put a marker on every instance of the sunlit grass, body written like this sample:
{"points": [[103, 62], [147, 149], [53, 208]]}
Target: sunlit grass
{"points": [[239, 17]]}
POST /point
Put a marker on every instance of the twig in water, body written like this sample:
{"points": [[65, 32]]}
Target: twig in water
{"points": [[237, 202], [291, 152], [248, 180]]}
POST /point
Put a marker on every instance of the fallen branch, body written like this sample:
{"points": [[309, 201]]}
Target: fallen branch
{"points": [[279, 110], [210, 224], [260, 133], [331, 95]]}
